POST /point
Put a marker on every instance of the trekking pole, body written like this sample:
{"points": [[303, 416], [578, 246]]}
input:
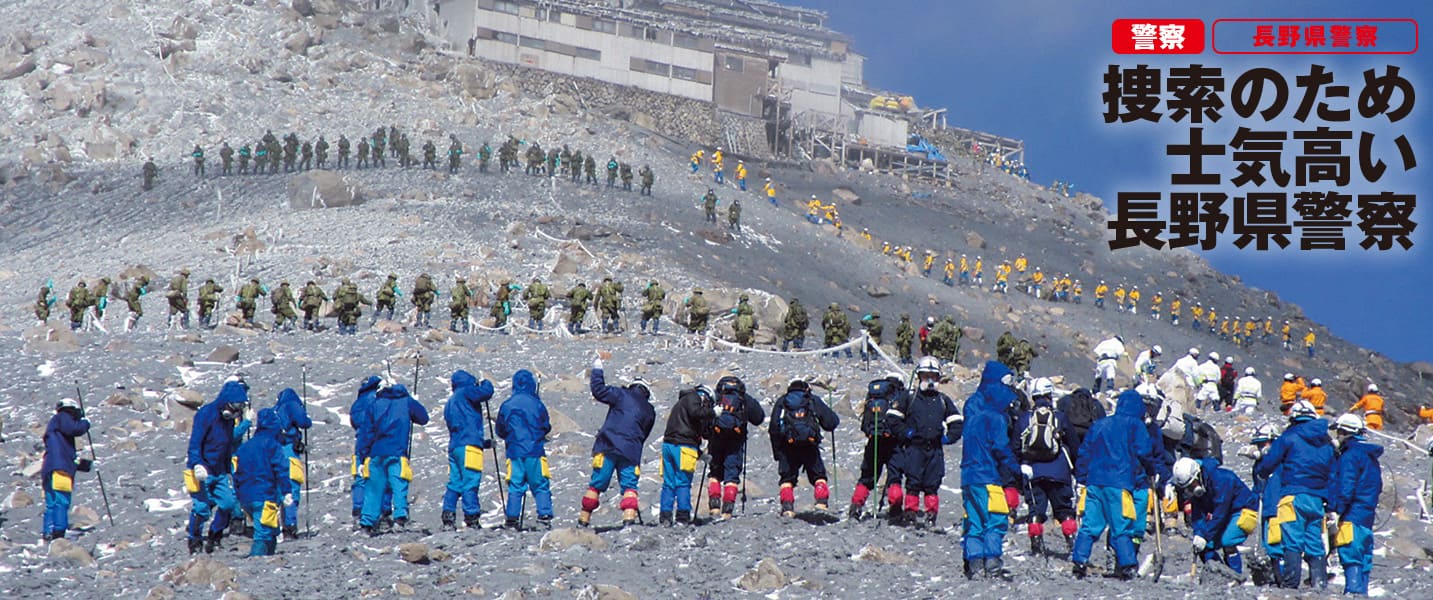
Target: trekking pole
{"points": [[303, 397], [743, 476], [834, 466], [93, 458], [492, 431]]}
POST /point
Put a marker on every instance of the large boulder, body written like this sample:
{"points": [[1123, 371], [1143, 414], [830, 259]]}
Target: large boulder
{"points": [[51, 338], [322, 189]]}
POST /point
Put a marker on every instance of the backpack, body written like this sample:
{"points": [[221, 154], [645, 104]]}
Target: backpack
{"points": [[1040, 442], [1082, 410], [881, 395], [1205, 440], [730, 407], [798, 424], [1172, 421]]}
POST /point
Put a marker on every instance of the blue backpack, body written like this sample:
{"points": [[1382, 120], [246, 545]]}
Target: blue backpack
{"points": [[798, 424], [730, 421]]}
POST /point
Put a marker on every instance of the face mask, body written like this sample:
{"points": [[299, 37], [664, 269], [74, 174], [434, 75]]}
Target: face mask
{"points": [[928, 384], [1008, 379], [1198, 490]]}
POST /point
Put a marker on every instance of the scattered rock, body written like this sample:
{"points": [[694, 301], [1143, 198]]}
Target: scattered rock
{"points": [[604, 591], [224, 354], [51, 339], [16, 66], [83, 517], [766, 577], [322, 189], [415, 553], [203, 571], [562, 539], [879, 555], [303, 8], [19, 499], [160, 592], [63, 549], [877, 291], [975, 240], [403, 589], [846, 195]]}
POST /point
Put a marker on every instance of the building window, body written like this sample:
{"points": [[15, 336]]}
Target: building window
{"points": [[685, 41], [533, 43], [734, 63], [643, 65], [503, 6], [650, 34], [684, 73], [604, 26], [800, 59], [505, 37], [589, 54]]}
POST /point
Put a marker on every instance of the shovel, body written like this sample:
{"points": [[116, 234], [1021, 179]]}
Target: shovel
{"points": [[1156, 566]]}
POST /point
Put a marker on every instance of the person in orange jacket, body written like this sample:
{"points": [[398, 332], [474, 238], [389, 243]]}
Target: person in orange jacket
{"points": [[1425, 413], [1372, 406], [1316, 395], [1289, 391]]}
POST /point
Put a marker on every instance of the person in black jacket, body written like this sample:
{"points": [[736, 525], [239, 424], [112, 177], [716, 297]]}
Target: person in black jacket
{"points": [[881, 396], [688, 422], [734, 411], [923, 421], [797, 420]]}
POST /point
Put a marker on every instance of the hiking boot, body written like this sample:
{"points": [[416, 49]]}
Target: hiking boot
{"points": [[1037, 546], [450, 521], [714, 505], [195, 545], [929, 520], [510, 523], [584, 519], [684, 517], [400, 524], [727, 508], [473, 521], [822, 506], [856, 512], [385, 522], [664, 518], [369, 529], [629, 517], [1080, 571], [974, 568], [291, 532], [896, 515], [995, 569], [544, 522], [215, 537], [788, 509], [1126, 573]]}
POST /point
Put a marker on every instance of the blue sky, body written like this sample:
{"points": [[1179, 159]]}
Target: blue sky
{"points": [[1033, 70]]}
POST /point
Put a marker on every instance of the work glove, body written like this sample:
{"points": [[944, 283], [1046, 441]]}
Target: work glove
{"points": [[597, 364], [1199, 543], [1027, 471], [1012, 498], [288, 499], [1168, 491], [299, 446], [200, 473], [487, 445], [1333, 520], [84, 465]]}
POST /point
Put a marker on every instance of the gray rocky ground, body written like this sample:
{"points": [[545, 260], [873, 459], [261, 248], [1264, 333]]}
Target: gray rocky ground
{"points": [[91, 89]]}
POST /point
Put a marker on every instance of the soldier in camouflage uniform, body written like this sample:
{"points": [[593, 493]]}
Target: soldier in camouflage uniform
{"points": [[226, 158], [348, 304], [535, 158], [575, 172], [306, 154], [626, 171], [100, 301], [577, 300], [455, 154], [945, 340], [502, 306], [282, 305], [424, 292], [905, 336], [150, 173], [208, 299], [837, 328], [78, 300], [458, 306], [311, 300], [872, 324], [430, 155], [589, 167], [745, 325], [609, 302], [552, 159], [536, 296], [507, 155], [697, 311], [386, 298], [793, 326], [484, 155], [343, 151], [648, 177], [248, 302], [44, 301], [245, 153], [652, 308], [132, 299], [376, 156], [178, 296], [320, 151]]}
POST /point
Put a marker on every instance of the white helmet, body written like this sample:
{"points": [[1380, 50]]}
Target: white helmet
{"points": [[67, 403], [1264, 433], [1249, 371], [1288, 376], [1350, 424], [641, 383], [928, 364], [1156, 350], [1228, 360], [1214, 356], [1316, 382], [1302, 410], [1043, 387], [1186, 476], [1150, 393], [1373, 388], [1194, 352]]}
